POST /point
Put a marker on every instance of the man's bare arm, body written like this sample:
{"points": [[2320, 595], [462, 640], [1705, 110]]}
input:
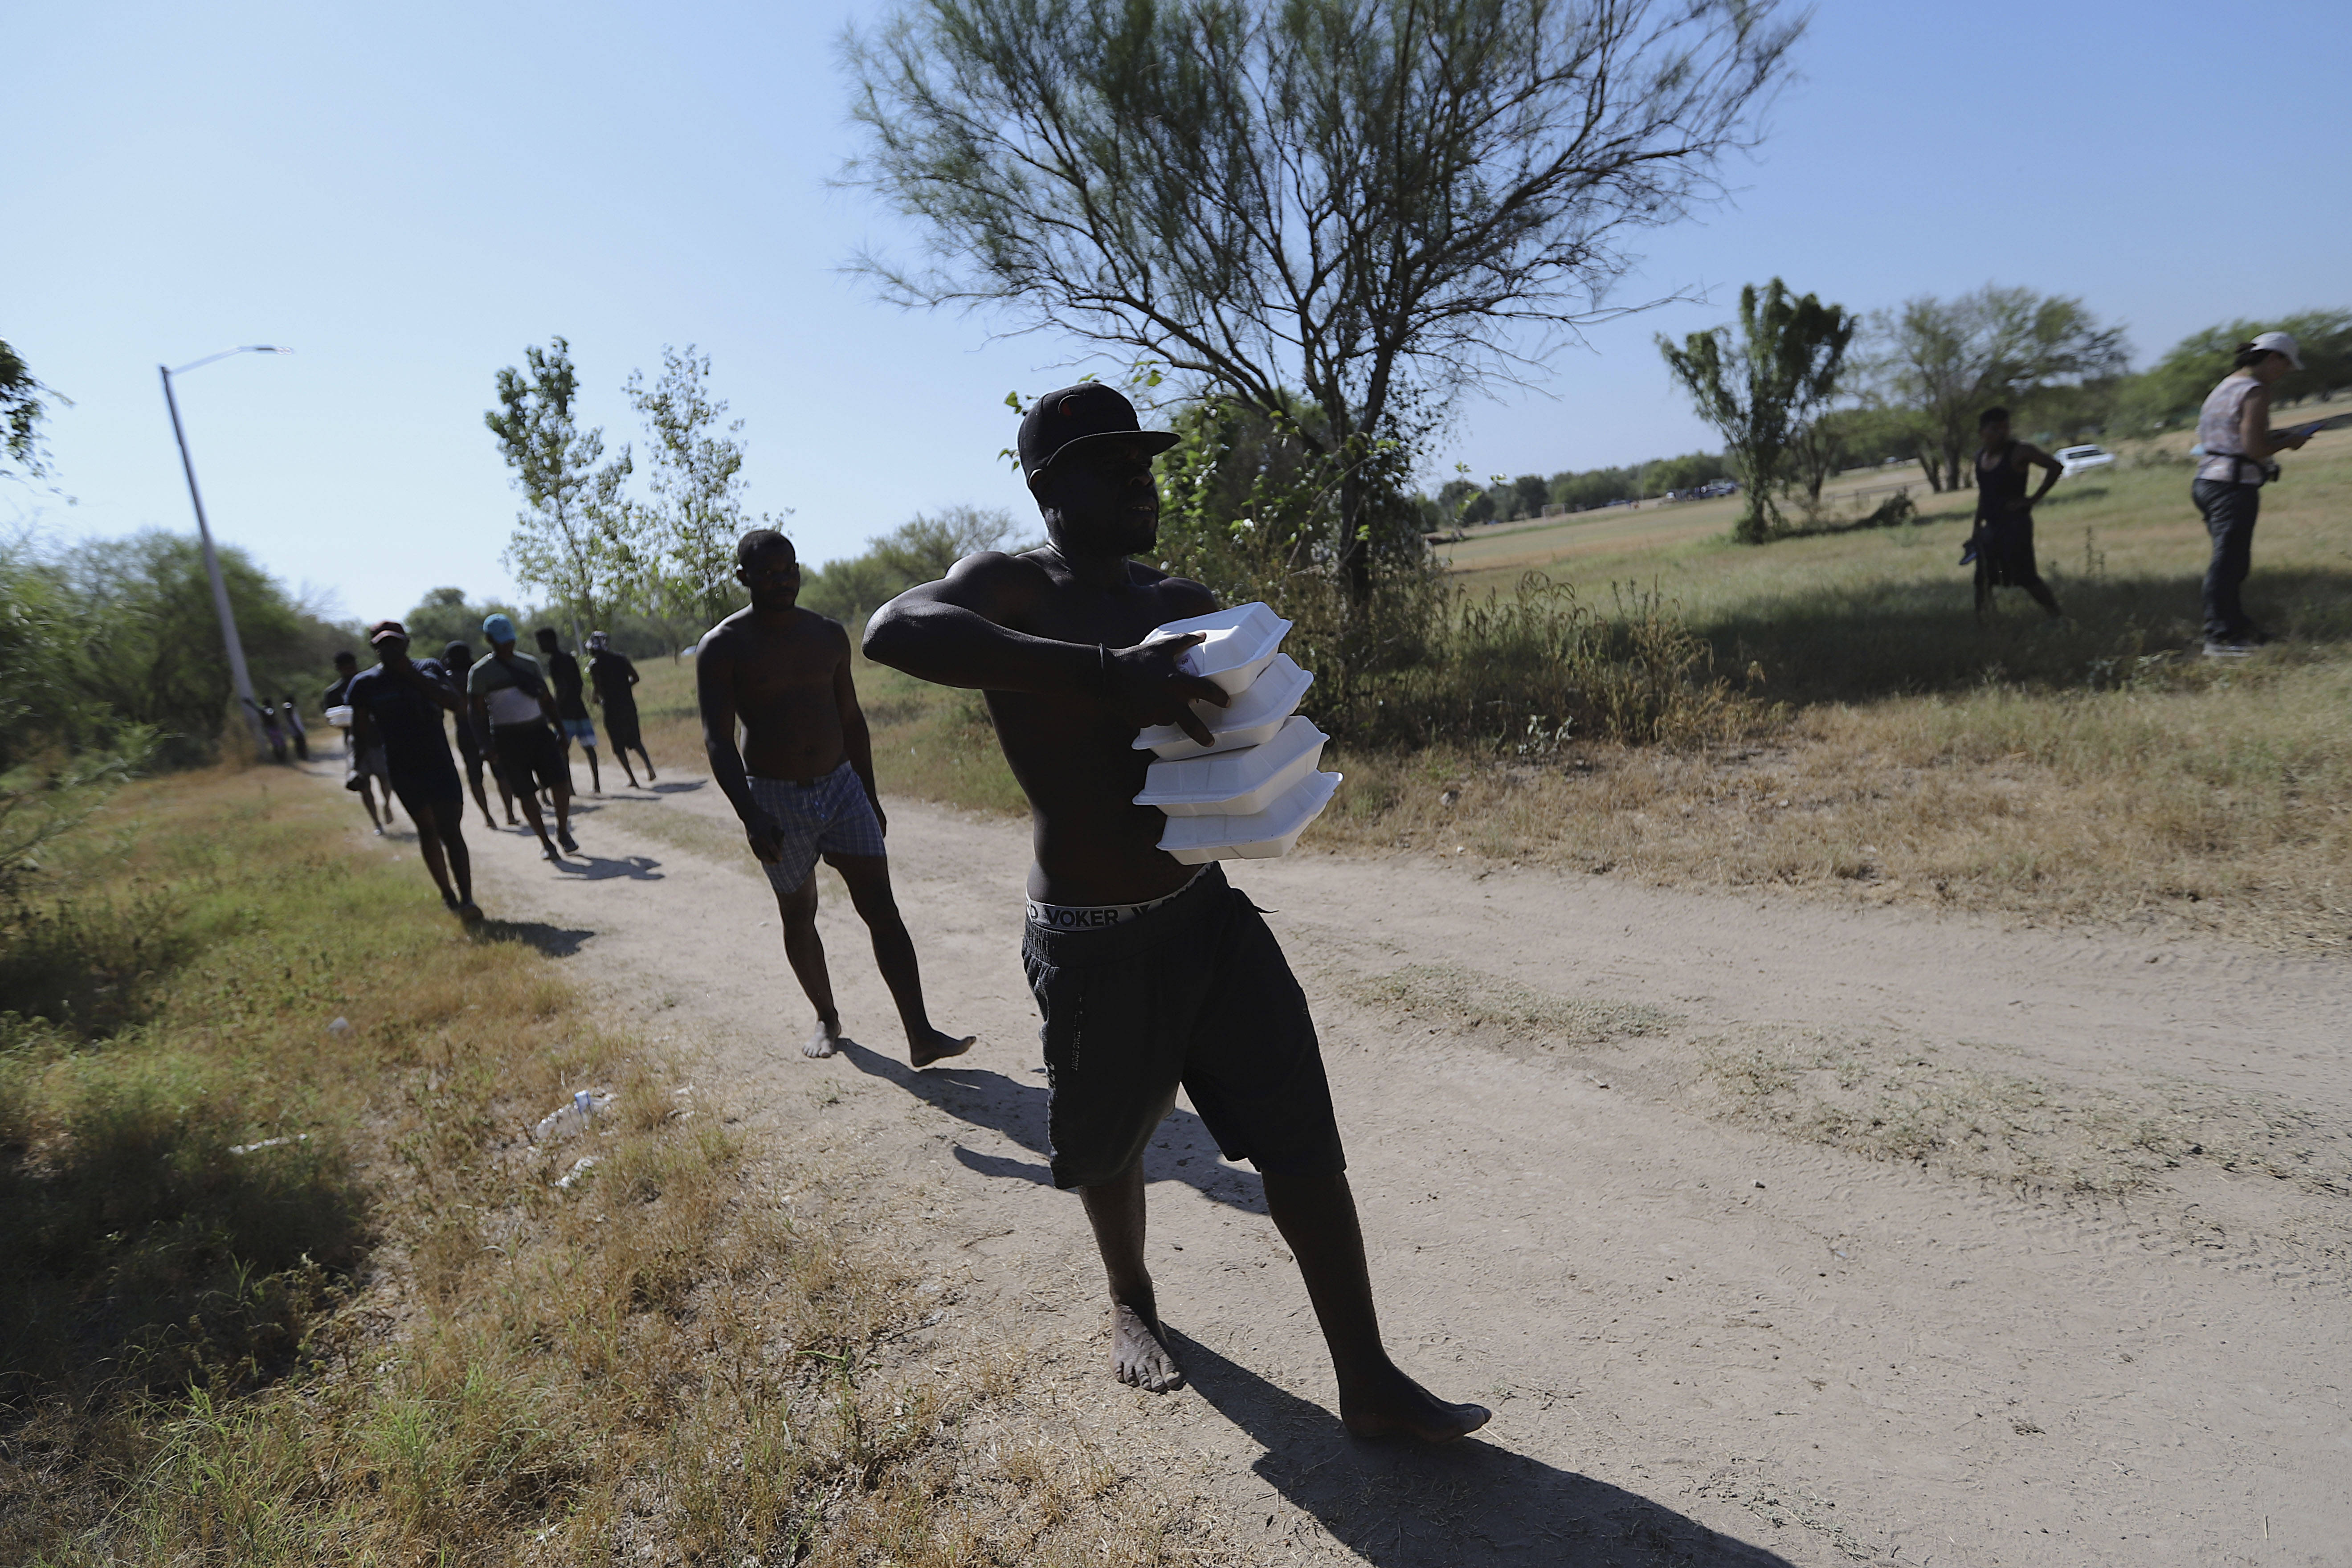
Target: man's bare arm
{"points": [[855, 738], [953, 633], [2034, 454], [714, 690]]}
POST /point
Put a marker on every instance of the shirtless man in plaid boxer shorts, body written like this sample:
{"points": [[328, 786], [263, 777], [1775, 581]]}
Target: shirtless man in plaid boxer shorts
{"points": [[803, 783]]}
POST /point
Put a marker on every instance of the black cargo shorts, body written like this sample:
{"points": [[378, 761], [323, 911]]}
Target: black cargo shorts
{"points": [[1195, 991]]}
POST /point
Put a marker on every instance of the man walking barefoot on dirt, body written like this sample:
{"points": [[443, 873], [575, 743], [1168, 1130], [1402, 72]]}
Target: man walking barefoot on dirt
{"points": [[1150, 974], [808, 789], [515, 712]]}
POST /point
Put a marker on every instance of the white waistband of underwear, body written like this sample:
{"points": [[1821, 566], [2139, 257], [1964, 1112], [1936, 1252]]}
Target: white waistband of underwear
{"points": [[1098, 917]]}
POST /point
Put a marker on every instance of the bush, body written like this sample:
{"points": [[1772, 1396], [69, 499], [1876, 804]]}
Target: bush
{"points": [[1405, 657]]}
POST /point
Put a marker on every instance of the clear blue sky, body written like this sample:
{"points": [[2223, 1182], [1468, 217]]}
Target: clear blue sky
{"points": [[410, 194]]}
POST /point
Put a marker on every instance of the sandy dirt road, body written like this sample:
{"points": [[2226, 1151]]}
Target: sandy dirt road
{"points": [[1656, 1175]]}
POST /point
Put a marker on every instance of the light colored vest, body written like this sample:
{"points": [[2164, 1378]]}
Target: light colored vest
{"points": [[2217, 432]]}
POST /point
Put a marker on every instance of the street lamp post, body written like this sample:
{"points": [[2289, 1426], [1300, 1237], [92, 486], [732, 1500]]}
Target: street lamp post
{"points": [[237, 675]]}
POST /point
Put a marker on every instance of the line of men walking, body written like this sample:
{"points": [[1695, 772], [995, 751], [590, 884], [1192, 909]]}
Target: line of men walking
{"points": [[514, 715]]}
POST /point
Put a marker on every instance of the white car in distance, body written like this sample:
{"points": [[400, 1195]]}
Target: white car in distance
{"points": [[2073, 460]]}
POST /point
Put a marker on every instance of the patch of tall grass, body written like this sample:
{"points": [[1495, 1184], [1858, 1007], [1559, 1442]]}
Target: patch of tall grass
{"points": [[284, 1292]]}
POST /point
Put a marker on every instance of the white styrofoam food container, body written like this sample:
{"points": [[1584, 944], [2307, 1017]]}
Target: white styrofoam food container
{"points": [[1250, 719], [1241, 641], [1236, 784], [340, 717], [1262, 836]]}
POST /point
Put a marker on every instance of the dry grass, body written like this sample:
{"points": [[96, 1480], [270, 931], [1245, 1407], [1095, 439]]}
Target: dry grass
{"points": [[662, 1361], [1448, 991]]}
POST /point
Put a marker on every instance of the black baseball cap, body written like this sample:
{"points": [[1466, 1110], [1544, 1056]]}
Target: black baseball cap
{"points": [[1074, 416]]}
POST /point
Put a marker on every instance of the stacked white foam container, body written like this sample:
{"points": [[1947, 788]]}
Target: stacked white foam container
{"points": [[1251, 791]]}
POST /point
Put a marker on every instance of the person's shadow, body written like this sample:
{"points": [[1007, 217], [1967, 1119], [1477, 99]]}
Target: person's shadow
{"points": [[595, 869], [556, 942], [1402, 1505], [1182, 1151]]}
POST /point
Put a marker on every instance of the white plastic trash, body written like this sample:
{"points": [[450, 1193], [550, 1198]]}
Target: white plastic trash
{"points": [[571, 1119], [1236, 784], [1242, 642], [1261, 835], [340, 716], [1250, 719]]}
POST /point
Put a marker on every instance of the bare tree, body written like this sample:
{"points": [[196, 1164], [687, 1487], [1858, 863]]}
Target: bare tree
{"points": [[1378, 202], [1948, 360]]}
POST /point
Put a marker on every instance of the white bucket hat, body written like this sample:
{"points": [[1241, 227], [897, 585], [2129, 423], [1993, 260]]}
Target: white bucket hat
{"points": [[2282, 342]]}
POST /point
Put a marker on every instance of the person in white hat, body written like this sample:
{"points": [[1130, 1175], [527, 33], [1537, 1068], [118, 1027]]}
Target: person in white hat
{"points": [[2234, 429]]}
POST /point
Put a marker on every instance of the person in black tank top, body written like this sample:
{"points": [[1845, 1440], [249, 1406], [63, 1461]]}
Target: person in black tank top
{"points": [[2002, 544]]}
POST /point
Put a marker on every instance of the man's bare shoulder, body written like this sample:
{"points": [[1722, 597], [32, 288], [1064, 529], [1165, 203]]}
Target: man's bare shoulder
{"points": [[724, 636]]}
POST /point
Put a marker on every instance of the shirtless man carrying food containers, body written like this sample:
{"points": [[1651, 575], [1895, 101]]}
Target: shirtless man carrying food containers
{"points": [[1150, 973]]}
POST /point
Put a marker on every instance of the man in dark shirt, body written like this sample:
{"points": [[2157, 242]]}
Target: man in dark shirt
{"points": [[610, 675], [398, 706], [457, 658], [570, 707], [359, 766]]}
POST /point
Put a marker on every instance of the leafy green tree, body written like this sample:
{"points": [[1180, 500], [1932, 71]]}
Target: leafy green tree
{"points": [[695, 470], [22, 410], [577, 537], [1946, 360], [1529, 493], [145, 608], [1369, 204], [61, 752], [1761, 388]]}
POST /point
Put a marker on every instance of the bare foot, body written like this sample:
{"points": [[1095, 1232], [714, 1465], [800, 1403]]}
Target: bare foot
{"points": [[1392, 1406], [1138, 1356], [938, 1048], [823, 1043]]}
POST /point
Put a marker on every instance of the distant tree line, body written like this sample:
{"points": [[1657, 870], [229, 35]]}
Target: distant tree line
{"points": [[1803, 392]]}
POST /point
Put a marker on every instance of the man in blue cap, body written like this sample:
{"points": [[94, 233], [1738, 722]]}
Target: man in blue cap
{"points": [[513, 706], [1149, 974]]}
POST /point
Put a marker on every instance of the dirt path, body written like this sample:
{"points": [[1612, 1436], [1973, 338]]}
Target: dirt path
{"points": [[1772, 1232]]}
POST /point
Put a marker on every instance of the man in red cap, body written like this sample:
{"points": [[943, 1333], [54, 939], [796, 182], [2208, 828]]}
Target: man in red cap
{"points": [[398, 706], [1150, 974]]}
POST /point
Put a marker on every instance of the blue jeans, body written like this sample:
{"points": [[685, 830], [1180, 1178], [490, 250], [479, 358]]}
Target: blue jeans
{"points": [[2229, 511]]}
